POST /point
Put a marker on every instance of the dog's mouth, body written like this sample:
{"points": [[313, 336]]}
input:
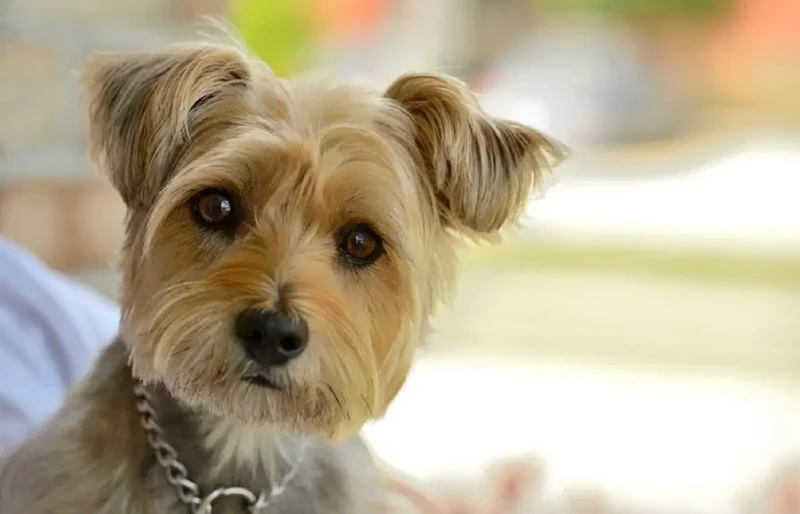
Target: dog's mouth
{"points": [[261, 381]]}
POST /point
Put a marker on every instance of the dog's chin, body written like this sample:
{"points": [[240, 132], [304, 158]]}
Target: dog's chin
{"points": [[250, 406], [261, 381], [256, 400], [259, 399]]}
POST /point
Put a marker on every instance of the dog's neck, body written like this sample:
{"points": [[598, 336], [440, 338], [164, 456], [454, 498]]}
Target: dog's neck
{"points": [[222, 452], [232, 443]]}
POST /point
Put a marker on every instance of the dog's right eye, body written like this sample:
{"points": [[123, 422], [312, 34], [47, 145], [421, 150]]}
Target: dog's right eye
{"points": [[360, 245], [213, 209]]}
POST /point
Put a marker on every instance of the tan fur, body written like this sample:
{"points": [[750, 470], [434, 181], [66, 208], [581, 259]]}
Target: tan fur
{"points": [[421, 163]]}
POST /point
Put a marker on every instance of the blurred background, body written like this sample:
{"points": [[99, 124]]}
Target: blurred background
{"points": [[637, 342]]}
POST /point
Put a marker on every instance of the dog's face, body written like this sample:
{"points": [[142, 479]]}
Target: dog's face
{"points": [[288, 241]]}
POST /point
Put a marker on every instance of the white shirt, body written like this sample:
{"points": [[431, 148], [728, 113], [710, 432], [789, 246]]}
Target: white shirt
{"points": [[51, 328]]}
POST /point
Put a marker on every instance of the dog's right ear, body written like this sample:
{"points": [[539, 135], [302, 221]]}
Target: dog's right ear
{"points": [[142, 108]]}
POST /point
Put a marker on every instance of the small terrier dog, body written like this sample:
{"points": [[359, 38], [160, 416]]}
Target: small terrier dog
{"points": [[286, 244]]}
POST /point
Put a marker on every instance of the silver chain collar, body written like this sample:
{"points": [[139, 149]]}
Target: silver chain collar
{"points": [[188, 491]]}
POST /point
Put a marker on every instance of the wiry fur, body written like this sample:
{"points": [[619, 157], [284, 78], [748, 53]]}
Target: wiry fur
{"points": [[420, 162]]}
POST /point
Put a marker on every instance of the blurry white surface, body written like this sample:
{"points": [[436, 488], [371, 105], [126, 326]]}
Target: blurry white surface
{"points": [[746, 198], [679, 441], [529, 111]]}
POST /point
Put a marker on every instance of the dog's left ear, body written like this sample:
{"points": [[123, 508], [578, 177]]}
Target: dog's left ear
{"points": [[482, 169]]}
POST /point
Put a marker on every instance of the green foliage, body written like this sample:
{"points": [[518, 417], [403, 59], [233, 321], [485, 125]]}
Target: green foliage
{"points": [[653, 9], [277, 31]]}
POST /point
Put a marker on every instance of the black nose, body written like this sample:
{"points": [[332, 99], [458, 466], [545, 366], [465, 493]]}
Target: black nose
{"points": [[271, 338]]}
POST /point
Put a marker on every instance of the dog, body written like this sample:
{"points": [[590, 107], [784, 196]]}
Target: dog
{"points": [[286, 244]]}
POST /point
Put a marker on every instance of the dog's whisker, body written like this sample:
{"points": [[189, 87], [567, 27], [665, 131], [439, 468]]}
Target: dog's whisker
{"points": [[367, 405], [335, 398]]}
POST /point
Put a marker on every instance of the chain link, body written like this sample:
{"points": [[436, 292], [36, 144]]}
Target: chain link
{"points": [[188, 491]]}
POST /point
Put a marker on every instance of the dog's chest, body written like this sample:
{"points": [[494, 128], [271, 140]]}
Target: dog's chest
{"points": [[324, 484]]}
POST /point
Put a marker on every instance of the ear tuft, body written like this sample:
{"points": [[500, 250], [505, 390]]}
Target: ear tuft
{"points": [[140, 106], [482, 169]]}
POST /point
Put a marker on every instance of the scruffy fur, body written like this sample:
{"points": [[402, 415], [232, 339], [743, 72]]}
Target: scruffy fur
{"points": [[420, 162]]}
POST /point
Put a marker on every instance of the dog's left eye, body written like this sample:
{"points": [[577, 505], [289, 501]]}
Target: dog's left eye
{"points": [[212, 208], [360, 245]]}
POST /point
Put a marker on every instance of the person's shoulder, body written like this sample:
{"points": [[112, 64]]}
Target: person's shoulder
{"points": [[51, 329], [29, 286], [17, 263]]}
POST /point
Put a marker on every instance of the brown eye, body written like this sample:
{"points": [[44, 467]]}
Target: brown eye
{"points": [[360, 245], [213, 209]]}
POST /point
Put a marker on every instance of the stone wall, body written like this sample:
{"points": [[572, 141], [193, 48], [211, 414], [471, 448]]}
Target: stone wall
{"points": [[51, 201]]}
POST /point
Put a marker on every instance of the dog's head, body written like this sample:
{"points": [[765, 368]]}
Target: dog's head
{"points": [[288, 241]]}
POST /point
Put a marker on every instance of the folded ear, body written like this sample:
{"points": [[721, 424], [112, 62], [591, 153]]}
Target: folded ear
{"points": [[143, 107], [482, 169]]}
